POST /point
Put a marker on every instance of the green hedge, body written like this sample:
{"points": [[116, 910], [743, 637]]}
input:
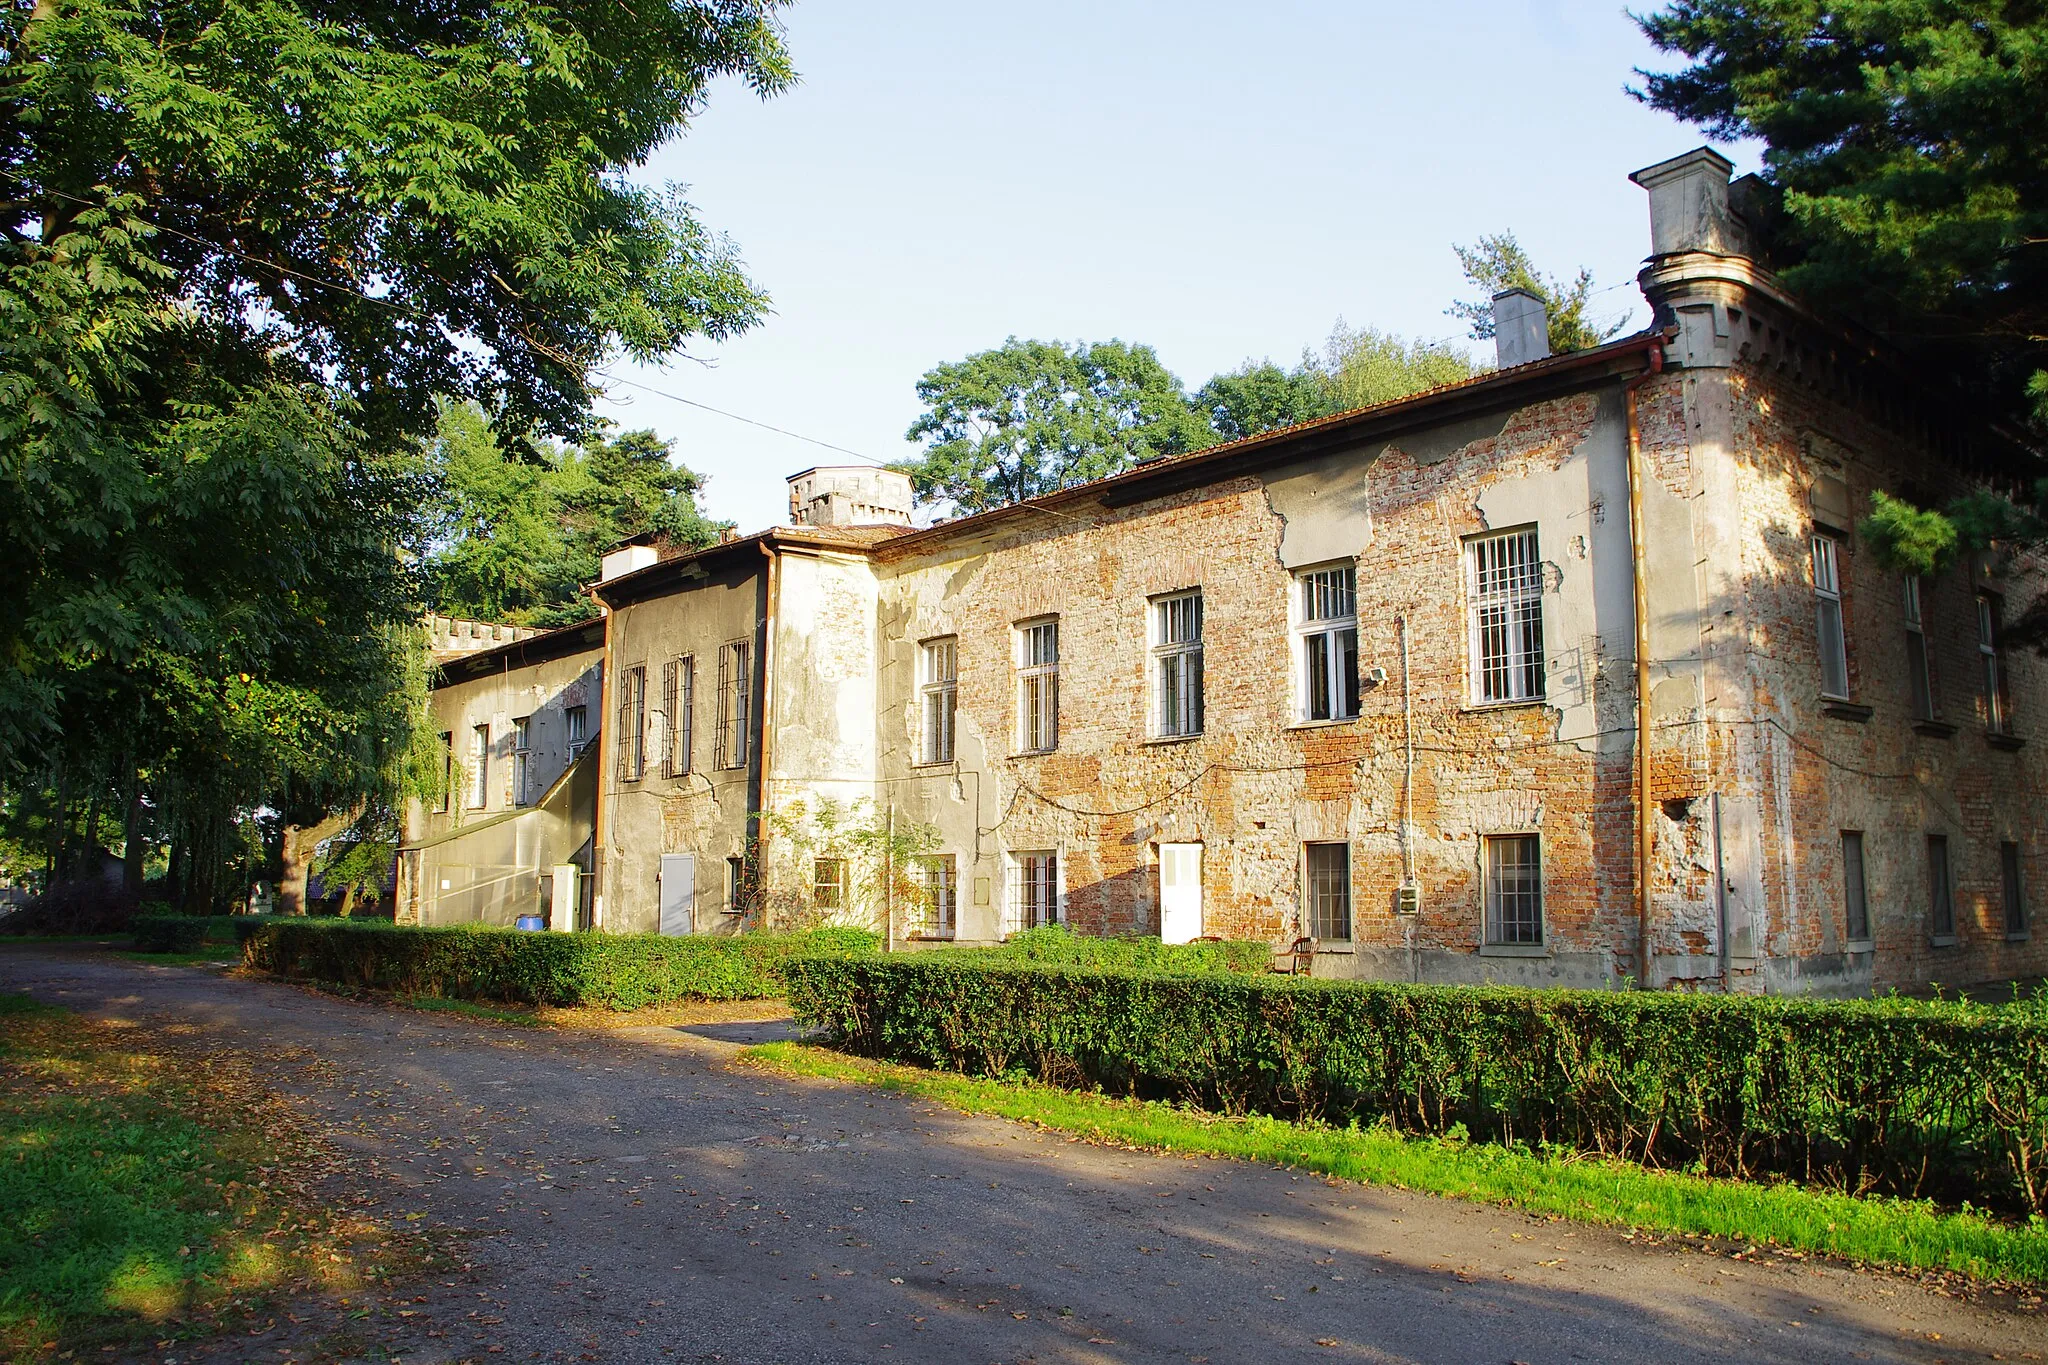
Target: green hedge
{"points": [[624, 971], [169, 933], [1054, 944], [1943, 1100]]}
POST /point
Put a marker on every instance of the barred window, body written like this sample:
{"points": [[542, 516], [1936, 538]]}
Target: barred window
{"points": [[939, 689], [828, 883], [1506, 587], [940, 875], [1034, 899], [1514, 890], [1997, 707], [522, 757], [736, 886], [1328, 633], [447, 770], [1038, 686], [1919, 677], [1941, 898], [1831, 640], [633, 724], [1328, 873], [1177, 664], [735, 703], [479, 766], [1856, 902], [679, 706]]}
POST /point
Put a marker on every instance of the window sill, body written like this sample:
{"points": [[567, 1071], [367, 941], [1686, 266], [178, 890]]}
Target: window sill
{"points": [[1322, 724], [1943, 941], [1514, 950], [1172, 739], [1472, 708], [2018, 935], [928, 938], [935, 763], [2009, 743], [1341, 946], [1035, 753], [1844, 710], [1935, 729], [1860, 945]]}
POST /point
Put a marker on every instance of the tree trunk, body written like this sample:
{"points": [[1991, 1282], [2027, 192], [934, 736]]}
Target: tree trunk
{"points": [[131, 842], [296, 853]]}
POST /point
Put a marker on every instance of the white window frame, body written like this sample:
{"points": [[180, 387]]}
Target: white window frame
{"points": [[1036, 893], [577, 719], [522, 757], [1038, 685], [1317, 883], [1997, 702], [1496, 891], [938, 665], [941, 876], [1504, 617], [830, 886], [1177, 665], [1326, 635], [1831, 633], [479, 767]]}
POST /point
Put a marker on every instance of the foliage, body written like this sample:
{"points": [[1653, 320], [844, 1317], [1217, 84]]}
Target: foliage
{"points": [[1908, 539], [476, 962], [1032, 417], [1498, 263], [1260, 396], [1055, 944], [1360, 367], [878, 855], [1547, 1183], [1943, 1100], [169, 933], [518, 534]]}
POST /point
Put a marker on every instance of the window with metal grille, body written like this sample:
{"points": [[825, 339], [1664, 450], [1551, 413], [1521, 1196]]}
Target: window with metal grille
{"points": [[939, 690], [1177, 664], [522, 757], [1034, 899], [1856, 905], [1038, 686], [679, 708], [1506, 590], [1327, 870], [1997, 708], [447, 770], [1327, 629], [2013, 893], [1830, 639], [1514, 890], [736, 886], [828, 883], [940, 874], [1919, 677], [1941, 899], [479, 766], [735, 701], [633, 724]]}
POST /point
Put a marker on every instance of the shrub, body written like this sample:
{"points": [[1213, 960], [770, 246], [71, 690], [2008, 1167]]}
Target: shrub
{"points": [[1924, 1099], [169, 933], [477, 962], [1054, 944]]}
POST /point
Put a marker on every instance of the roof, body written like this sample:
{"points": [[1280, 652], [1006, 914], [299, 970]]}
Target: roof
{"points": [[644, 583], [560, 643]]}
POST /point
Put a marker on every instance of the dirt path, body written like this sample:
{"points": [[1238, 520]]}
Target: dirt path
{"points": [[629, 1196]]}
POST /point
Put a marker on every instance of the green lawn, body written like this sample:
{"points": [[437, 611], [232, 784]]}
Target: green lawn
{"points": [[1887, 1232]]}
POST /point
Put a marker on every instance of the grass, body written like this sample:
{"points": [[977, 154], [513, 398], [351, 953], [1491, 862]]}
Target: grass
{"points": [[152, 1190], [1885, 1232]]}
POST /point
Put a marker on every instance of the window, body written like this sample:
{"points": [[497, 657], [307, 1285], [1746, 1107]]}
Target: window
{"points": [[1177, 664], [1997, 710], [1328, 629], [522, 757], [828, 883], [1034, 890], [1855, 904], [633, 725], [679, 704], [735, 701], [447, 770], [1038, 687], [1514, 890], [1941, 902], [479, 766], [2009, 884], [1918, 676], [938, 669], [735, 886], [1328, 870], [579, 728], [941, 894], [1506, 586], [1832, 643]]}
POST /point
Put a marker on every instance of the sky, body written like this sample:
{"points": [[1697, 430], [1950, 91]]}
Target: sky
{"points": [[1221, 182]]}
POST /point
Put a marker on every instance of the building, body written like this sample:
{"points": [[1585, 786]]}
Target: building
{"points": [[1427, 683]]}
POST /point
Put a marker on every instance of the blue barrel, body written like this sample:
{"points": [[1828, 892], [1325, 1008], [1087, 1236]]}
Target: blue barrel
{"points": [[532, 922]]}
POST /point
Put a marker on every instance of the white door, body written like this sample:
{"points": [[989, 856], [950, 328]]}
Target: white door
{"points": [[1180, 892], [678, 893]]}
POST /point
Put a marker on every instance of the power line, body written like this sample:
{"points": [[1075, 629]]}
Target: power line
{"points": [[765, 426]]}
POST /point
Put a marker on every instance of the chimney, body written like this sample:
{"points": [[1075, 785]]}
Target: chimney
{"points": [[1521, 329], [624, 560], [1689, 204]]}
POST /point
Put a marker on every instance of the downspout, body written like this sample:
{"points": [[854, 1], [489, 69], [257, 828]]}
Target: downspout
{"points": [[598, 862], [764, 731], [1638, 572]]}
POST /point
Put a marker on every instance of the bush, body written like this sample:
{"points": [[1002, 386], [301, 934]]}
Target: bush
{"points": [[1054, 944], [476, 962], [1946, 1100], [159, 933]]}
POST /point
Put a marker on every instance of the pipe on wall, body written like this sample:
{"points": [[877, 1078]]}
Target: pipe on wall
{"points": [[1639, 574]]}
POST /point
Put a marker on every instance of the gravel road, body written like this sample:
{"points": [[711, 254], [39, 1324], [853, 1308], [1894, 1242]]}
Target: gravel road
{"points": [[632, 1196]]}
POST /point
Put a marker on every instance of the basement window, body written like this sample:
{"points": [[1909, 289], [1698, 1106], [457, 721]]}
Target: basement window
{"points": [[1941, 896], [1856, 903], [1327, 872], [828, 883], [1514, 891], [1034, 899], [2013, 893]]}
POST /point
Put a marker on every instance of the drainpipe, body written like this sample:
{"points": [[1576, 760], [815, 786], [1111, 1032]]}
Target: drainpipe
{"points": [[764, 729], [598, 862], [1638, 571]]}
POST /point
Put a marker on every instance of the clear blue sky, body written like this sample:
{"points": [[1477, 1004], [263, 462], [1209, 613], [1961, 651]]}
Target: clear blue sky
{"points": [[1219, 181]]}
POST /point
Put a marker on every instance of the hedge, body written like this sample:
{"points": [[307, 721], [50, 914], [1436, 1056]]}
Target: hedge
{"points": [[170, 933], [476, 962], [1053, 943], [1942, 1100]]}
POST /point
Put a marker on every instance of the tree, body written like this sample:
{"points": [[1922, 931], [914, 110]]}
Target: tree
{"points": [[1034, 416], [1363, 366], [1499, 263], [1260, 396]]}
